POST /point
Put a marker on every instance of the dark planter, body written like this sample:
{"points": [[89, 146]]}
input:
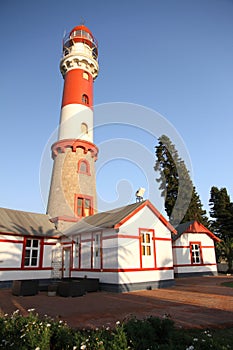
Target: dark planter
{"points": [[25, 287], [71, 288], [90, 284]]}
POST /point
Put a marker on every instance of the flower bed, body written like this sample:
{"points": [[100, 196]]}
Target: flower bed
{"points": [[32, 332]]}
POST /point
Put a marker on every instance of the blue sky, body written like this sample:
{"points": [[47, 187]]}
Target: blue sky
{"points": [[172, 56]]}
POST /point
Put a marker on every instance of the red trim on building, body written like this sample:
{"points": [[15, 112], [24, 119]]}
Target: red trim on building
{"points": [[197, 227], [188, 246], [25, 268], [87, 146], [41, 252], [154, 210], [194, 265], [10, 241], [154, 247], [90, 198], [83, 160], [126, 270], [201, 256], [92, 239]]}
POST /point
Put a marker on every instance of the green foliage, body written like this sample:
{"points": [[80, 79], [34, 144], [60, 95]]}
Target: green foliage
{"points": [[151, 333], [182, 203], [221, 210], [34, 333]]}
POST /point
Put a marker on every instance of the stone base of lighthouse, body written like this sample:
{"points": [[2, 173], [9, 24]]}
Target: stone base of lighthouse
{"points": [[73, 184]]}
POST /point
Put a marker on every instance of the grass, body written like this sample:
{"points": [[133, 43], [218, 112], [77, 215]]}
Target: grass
{"points": [[227, 284]]}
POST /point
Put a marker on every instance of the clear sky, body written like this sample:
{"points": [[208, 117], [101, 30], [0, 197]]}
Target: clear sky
{"points": [[172, 56]]}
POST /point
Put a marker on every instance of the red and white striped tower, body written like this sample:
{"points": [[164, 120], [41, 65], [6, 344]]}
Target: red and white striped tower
{"points": [[73, 184]]}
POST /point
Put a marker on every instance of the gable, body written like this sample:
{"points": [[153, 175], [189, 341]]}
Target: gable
{"points": [[194, 227]]}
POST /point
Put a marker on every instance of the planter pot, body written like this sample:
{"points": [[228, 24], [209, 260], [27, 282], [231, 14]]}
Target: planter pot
{"points": [[90, 284], [25, 287], [71, 288]]}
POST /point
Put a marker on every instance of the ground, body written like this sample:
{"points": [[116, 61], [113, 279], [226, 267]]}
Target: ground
{"points": [[198, 302]]}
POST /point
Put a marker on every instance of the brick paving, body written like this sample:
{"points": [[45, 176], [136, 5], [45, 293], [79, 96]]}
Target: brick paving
{"points": [[199, 302]]}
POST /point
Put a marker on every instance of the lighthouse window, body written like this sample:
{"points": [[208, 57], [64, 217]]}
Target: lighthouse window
{"points": [[85, 76], [83, 207], [84, 128], [83, 167], [85, 99]]}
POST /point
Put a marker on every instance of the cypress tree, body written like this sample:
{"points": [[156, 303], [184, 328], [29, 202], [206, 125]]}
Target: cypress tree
{"points": [[221, 210], [182, 202]]}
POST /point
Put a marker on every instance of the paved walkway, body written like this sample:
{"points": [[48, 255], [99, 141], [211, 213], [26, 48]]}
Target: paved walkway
{"points": [[192, 302]]}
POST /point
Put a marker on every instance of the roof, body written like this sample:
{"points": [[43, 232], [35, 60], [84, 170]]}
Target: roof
{"points": [[193, 227], [26, 223], [114, 218]]}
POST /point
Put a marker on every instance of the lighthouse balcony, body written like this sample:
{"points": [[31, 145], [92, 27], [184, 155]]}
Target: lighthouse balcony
{"points": [[82, 37]]}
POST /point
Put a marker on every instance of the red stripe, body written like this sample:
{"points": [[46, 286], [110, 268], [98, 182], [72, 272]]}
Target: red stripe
{"points": [[194, 265], [10, 241], [75, 86], [25, 268], [125, 270]]}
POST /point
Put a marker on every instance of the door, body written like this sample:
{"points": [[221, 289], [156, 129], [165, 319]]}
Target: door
{"points": [[66, 263]]}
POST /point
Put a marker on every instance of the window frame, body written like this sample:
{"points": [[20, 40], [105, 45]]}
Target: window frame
{"points": [[193, 258], [31, 249], [83, 161], [76, 206], [85, 99]]}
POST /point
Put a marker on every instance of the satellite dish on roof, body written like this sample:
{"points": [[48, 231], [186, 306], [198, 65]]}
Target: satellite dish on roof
{"points": [[139, 194]]}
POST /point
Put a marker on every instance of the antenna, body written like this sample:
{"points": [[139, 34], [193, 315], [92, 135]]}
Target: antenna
{"points": [[82, 21]]}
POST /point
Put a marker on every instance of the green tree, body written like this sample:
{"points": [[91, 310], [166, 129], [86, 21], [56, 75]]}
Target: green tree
{"points": [[221, 211], [225, 251], [182, 202]]}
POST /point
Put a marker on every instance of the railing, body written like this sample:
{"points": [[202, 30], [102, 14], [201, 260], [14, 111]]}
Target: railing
{"points": [[80, 36]]}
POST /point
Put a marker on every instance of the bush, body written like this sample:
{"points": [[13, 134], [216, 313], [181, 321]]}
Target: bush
{"points": [[35, 333]]}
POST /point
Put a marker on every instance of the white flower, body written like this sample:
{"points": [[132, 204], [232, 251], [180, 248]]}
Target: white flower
{"points": [[117, 323], [37, 348], [48, 325], [31, 310], [191, 347], [83, 347], [195, 339]]}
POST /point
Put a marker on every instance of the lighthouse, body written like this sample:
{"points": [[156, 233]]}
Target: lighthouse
{"points": [[72, 193]]}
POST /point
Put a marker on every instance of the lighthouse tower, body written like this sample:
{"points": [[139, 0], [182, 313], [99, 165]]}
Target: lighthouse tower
{"points": [[73, 186]]}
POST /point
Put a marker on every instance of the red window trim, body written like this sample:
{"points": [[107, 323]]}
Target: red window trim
{"points": [[40, 250], [190, 250], [152, 243], [76, 196], [82, 160]]}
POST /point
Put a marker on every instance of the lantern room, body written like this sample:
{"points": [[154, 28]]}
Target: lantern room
{"points": [[80, 34]]}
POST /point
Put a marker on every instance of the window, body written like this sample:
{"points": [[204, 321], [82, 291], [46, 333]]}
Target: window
{"points": [[84, 207], [195, 251], [146, 243], [83, 167], [85, 76], [31, 257], [85, 99], [84, 128]]}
